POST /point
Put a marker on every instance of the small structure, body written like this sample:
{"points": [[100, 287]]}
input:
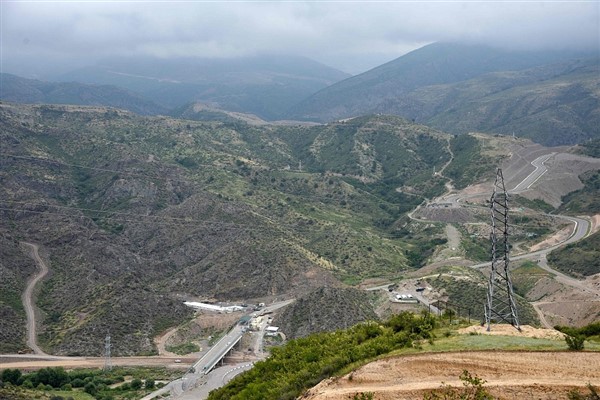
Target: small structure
{"points": [[272, 330], [212, 307]]}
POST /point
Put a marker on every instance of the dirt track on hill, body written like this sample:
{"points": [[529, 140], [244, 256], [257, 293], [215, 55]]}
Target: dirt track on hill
{"points": [[28, 298], [509, 375]]}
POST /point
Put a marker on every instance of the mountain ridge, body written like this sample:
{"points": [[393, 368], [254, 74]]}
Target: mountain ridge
{"points": [[263, 85], [440, 84], [23, 90]]}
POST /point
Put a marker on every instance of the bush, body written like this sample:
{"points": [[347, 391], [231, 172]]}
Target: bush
{"points": [[136, 384], [90, 388], [575, 342], [11, 376], [363, 396], [77, 383]]}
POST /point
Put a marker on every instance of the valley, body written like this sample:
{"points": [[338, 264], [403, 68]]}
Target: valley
{"points": [[130, 204], [204, 200]]}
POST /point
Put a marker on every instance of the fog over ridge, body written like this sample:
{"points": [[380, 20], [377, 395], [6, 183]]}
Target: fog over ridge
{"points": [[38, 37]]}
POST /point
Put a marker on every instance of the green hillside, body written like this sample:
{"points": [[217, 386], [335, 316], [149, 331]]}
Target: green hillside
{"points": [[585, 200], [135, 214], [550, 97], [579, 259], [552, 105]]}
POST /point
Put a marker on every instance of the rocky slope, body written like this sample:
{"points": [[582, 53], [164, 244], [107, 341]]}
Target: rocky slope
{"points": [[326, 309], [136, 214]]}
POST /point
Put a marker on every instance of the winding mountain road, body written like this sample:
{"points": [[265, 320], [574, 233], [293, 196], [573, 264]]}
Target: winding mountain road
{"points": [[27, 297], [540, 169]]}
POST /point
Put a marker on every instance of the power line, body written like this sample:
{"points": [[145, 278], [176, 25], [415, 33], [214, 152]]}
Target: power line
{"points": [[148, 176], [286, 228], [115, 171]]}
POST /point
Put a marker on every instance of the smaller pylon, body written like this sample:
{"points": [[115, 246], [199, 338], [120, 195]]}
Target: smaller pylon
{"points": [[107, 361]]}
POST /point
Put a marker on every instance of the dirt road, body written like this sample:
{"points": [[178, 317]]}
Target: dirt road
{"points": [[36, 362], [161, 342], [509, 375], [541, 316], [27, 298]]}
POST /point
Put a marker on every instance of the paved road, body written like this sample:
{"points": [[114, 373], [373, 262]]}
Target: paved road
{"points": [[218, 350], [217, 378], [540, 169], [202, 370], [580, 230], [424, 301], [567, 280], [27, 298]]}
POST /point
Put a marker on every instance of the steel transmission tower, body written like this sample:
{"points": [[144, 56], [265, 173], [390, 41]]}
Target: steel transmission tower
{"points": [[107, 361], [500, 305]]}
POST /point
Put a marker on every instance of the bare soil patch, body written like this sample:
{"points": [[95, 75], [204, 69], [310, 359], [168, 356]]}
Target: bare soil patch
{"points": [[443, 214], [595, 226], [95, 362], [509, 330], [509, 375], [570, 312], [562, 177], [553, 240]]}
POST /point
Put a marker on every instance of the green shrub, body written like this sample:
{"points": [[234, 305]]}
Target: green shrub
{"points": [[77, 383], [11, 376], [363, 396], [575, 343], [90, 388], [136, 384]]}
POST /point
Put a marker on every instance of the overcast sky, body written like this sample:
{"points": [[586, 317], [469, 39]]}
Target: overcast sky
{"points": [[351, 36]]}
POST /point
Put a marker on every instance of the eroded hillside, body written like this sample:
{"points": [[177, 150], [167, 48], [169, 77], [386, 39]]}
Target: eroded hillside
{"points": [[134, 214]]}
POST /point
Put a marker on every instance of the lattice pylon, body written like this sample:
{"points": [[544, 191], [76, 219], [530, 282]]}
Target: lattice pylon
{"points": [[107, 359], [500, 305]]}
